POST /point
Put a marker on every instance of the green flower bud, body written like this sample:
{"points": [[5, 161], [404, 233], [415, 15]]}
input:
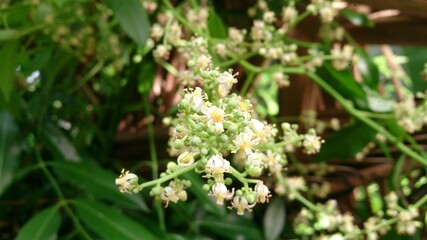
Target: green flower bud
{"points": [[251, 197], [179, 143], [228, 181], [182, 195], [204, 151], [233, 128], [255, 171], [157, 190], [187, 183], [239, 192], [195, 141], [223, 138], [171, 166], [179, 128], [163, 174], [206, 187]]}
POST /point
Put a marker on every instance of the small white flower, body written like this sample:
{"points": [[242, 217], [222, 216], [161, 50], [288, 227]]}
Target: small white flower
{"points": [[215, 116], [185, 159], [263, 193], [226, 81], [217, 165], [169, 195], [312, 144], [127, 182], [196, 97], [220, 192], [245, 142], [241, 204]]}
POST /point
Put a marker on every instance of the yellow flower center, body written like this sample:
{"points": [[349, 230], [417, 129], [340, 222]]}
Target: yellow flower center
{"points": [[217, 116]]}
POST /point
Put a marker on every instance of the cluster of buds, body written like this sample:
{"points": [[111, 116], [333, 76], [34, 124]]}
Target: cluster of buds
{"points": [[327, 10], [407, 224], [410, 117], [342, 56]]}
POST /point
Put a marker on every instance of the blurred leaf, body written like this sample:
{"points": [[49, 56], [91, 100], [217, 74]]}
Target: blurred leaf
{"points": [[274, 219], [9, 51], [395, 129], [415, 65], [98, 182], [358, 19], [132, 18], [216, 26], [368, 69], [379, 104], [267, 91], [344, 82], [8, 34], [146, 77], [233, 227], [111, 224], [346, 142], [43, 226], [58, 143], [9, 149]]}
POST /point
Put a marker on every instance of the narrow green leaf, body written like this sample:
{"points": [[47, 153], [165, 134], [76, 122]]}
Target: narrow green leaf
{"points": [[232, 228], [358, 19], [43, 226], [346, 142], [9, 150], [9, 51], [98, 182], [109, 223], [216, 26], [274, 219], [58, 143], [132, 18]]}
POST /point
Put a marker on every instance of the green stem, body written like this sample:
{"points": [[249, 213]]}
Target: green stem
{"points": [[298, 20], [171, 69], [281, 144], [181, 19], [241, 178], [421, 202], [168, 177], [92, 72], [247, 83], [305, 201], [347, 105], [57, 190], [152, 142]]}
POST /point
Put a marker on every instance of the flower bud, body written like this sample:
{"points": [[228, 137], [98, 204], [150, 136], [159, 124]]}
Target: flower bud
{"points": [[255, 171], [228, 181], [171, 166], [182, 195], [195, 141], [223, 138], [179, 143], [251, 197]]}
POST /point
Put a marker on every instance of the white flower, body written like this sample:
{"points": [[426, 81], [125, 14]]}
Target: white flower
{"points": [[235, 35], [217, 165], [245, 142], [127, 182], [220, 192], [185, 159], [215, 116], [203, 62], [269, 17], [241, 204], [156, 31], [169, 195], [226, 81], [161, 52], [196, 97], [312, 144], [221, 50], [263, 193]]}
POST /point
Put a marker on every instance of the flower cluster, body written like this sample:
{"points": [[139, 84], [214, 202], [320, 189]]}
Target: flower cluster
{"points": [[410, 117]]}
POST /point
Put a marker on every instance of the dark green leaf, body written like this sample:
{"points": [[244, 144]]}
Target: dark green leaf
{"points": [[98, 182], [232, 228], [58, 143], [146, 77], [111, 224], [9, 149], [344, 83], [9, 53], [216, 26], [346, 142], [43, 226], [132, 18], [274, 219], [358, 19]]}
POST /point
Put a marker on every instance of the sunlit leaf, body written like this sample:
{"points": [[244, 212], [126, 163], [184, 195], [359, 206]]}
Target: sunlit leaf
{"points": [[357, 18], [98, 182], [132, 18], [43, 226], [111, 224]]}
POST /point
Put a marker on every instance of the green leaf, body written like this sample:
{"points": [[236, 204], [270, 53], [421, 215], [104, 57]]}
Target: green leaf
{"points": [[346, 142], [368, 69], [358, 19], [58, 143], [344, 82], [98, 182], [8, 34], [146, 77], [132, 18], [9, 150], [43, 226], [274, 219], [267, 91], [9, 51], [232, 228], [109, 223], [216, 26]]}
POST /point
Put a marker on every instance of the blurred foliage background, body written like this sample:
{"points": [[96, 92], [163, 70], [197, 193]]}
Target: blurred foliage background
{"points": [[76, 87]]}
